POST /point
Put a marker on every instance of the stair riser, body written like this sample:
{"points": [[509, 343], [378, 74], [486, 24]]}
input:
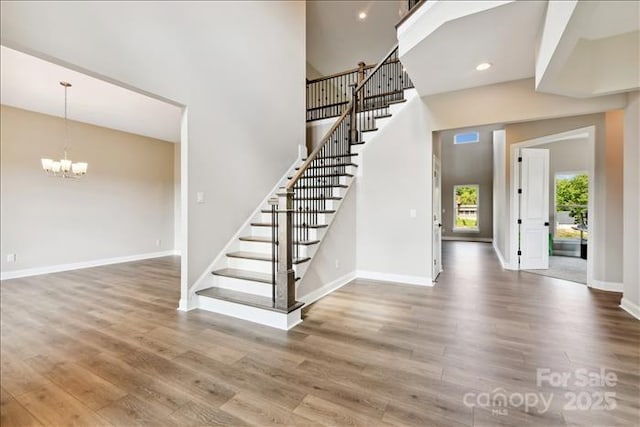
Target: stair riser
{"points": [[348, 169], [365, 137], [246, 286], [311, 204], [266, 248], [266, 232], [325, 180], [253, 265], [321, 218], [319, 192]]}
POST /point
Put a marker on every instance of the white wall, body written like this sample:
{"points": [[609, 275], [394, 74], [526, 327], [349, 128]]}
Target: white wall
{"points": [[397, 167], [119, 209], [396, 178], [335, 260], [631, 220], [223, 60]]}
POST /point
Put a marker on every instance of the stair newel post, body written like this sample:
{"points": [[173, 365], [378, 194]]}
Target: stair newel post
{"points": [[361, 66], [285, 280]]}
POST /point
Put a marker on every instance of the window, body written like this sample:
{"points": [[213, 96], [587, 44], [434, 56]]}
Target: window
{"points": [[466, 138], [465, 207], [571, 200]]}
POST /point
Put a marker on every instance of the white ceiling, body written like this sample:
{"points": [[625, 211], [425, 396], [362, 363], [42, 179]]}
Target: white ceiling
{"points": [[598, 53], [337, 40], [505, 34], [32, 84]]}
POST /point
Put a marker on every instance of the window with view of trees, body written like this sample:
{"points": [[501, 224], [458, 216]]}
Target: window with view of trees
{"points": [[572, 198], [465, 201]]}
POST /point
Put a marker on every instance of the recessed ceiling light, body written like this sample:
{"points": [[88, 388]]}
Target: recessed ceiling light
{"points": [[483, 66], [362, 15]]}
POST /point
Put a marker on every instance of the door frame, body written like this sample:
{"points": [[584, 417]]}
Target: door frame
{"points": [[514, 207], [436, 265]]}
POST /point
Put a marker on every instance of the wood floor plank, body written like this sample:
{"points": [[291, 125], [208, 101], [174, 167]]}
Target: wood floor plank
{"points": [[53, 406]]}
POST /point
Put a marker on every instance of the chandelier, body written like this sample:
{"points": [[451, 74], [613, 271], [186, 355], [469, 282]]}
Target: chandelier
{"points": [[64, 168]]}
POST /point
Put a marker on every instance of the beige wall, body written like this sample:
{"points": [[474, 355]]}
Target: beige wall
{"points": [[468, 164], [120, 208]]}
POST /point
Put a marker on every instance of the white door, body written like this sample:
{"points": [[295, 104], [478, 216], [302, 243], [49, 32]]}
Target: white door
{"points": [[534, 209], [437, 219]]}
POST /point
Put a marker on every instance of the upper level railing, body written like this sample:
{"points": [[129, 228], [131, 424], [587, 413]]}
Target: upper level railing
{"points": [[306, 194]]}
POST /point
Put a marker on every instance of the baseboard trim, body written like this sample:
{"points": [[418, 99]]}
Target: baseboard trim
{"points": [[80, 265], [284, 321], [314, 296], [503, 264], [630, 307], [606, 286], [395, 278], [467, 239]]}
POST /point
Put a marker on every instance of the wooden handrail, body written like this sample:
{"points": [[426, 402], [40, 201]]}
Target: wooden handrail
{"points": [[380, 64], [292, 182], [340, 74], [410, 12]]}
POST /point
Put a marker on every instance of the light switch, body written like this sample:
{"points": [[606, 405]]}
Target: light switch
{"points": [[412, 213], [199, 197]]}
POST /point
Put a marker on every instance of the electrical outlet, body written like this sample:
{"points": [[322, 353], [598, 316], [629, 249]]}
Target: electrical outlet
{"points": [[413, 213], [11, 258], [199, 197], [337, 263], [158, 242]]}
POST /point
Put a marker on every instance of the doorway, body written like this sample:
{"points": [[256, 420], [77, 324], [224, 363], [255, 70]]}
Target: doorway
{"points": [[552, 211]]}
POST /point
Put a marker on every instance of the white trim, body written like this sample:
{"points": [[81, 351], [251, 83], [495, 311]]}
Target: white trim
{"points": [[184, 207], [314, 296], [455, 210], [395, 278], [499, 255], [6, 275], [468, 239], [275, 319], [203, 280], [606, 286], [630, 307]]}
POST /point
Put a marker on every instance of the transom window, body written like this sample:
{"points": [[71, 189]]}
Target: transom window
{"points": [[466, 138]]}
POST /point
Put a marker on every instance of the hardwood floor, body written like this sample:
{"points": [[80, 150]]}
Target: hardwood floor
{"points": [[106, 346]]}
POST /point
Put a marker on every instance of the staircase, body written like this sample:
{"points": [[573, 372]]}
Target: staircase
{"points": [[256, 278]]}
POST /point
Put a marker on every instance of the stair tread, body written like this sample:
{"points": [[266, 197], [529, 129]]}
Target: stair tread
{"points": [[269, 224], [244, 275], [382, 116], [318, 198], [331, 175], [268, 240], [368, 130], [330, 166], [322, 211], [322, 186], [335, 156], [397, 101], [261, 256], [245, 299]]}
